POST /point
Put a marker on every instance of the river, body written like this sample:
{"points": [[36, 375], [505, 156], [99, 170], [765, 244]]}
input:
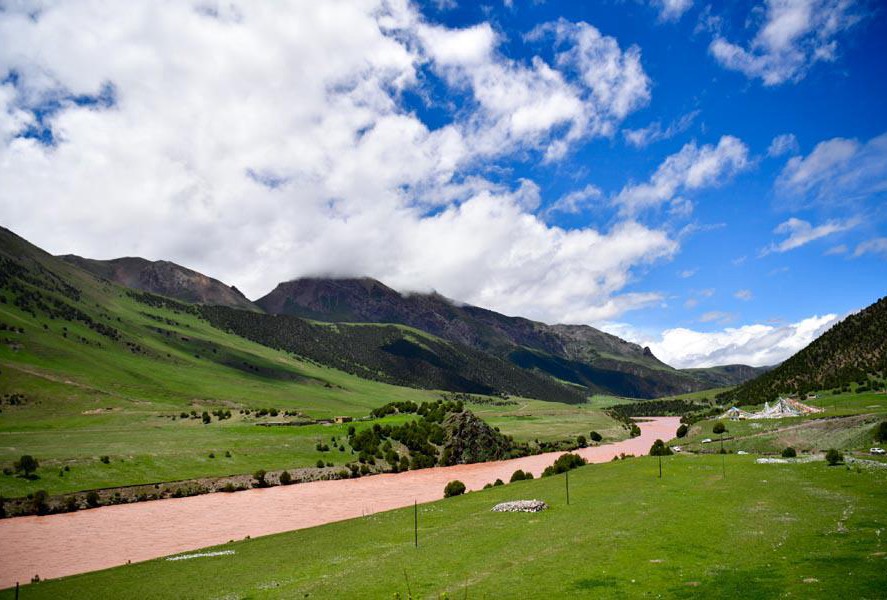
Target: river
{"points": [[65, 544]]}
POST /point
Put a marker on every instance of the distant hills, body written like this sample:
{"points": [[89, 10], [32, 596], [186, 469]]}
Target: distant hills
{"points": [[363, 327], [853, 350]]}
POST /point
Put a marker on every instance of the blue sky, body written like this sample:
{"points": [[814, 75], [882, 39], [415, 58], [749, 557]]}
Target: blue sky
{"points": [[708, 179]]}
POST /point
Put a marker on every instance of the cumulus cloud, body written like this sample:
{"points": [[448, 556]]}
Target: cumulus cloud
{"points": [[795, 35], [259, 142], [801, 232], [786, 143], [693, 167], [654, 132], [672, 10], [576, 201], [837, 170], [756, 345]]}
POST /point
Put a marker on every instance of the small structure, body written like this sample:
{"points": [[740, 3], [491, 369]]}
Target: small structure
{"points": [[783, 407], [343, 419]]}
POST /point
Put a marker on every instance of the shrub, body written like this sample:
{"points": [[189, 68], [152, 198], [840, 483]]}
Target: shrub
{"points": [[92, 498], [285, 478], [595, 436], [38, 502], [517, 476], [259, 476], [320, 464], [229, 487], [528, 476], [660, 449], [789, 453], [564, 463], [635, 431], [227, 454], [881, 432], [719, 428], [834, 457], [581, 441], [498, 482], [27, 464], [71, 503], [105, 459], [212, 454], [682, 430], [454, 488], [206, 418]]}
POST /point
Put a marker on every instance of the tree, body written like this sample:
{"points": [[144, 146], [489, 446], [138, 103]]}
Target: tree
{"points": [[660, 449], [789, 452], [454, 488], [581, 441], [27, 464], [595, 436], [206, 418], [517, 476], [92, 498], [881, 432], [719, 428], [286, 478], [834, 457], [682, 430]]}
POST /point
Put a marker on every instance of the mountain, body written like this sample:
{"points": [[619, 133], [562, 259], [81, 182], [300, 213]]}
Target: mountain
{"points": [[727, 375], [164, 278], [577, 354], [851, 351]]}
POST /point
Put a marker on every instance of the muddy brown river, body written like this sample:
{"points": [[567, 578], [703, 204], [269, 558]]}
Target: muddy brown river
{"points": [[65, 544]]}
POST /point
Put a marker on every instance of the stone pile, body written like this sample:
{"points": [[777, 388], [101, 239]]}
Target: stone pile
{"points": [[530, 506]]}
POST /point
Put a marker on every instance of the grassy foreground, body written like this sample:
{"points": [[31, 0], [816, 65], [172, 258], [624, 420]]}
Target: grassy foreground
{"points": [[799, 530]]}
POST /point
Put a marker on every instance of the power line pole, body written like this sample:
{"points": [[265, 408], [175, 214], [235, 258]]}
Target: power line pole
{"points": [[660, 466], [567, 473], [416, 523]]}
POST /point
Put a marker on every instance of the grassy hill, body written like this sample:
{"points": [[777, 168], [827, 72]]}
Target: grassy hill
{"points": [[764, 531], [852, 351]]}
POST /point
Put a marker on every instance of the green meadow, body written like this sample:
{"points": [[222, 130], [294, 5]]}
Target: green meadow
{"points": [[712, 527]]}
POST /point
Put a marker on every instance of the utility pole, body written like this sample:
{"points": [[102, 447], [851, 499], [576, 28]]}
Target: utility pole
{"points": [[567, 473], [416, 523], [660, 466]]}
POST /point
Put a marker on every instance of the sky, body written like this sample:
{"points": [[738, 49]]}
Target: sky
{"points": [[707, 179]]}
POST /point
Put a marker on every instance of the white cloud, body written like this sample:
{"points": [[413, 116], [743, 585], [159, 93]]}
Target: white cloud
{"points": [[876, 246], [716, 316], [693, 167], [786, 143], [745, 295], [795, 35], [801, 232], [672, 10], [686, 273], [837, 171], [259, 142], [836, 250], [641, 138], [576, 201], [756, 345]]}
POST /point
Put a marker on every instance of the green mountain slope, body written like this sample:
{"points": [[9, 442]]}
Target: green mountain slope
{"points": [[851, 351]]}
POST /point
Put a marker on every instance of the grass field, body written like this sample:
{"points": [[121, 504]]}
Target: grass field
{"points": [[549, 421], [797, 530], [846, 423]]}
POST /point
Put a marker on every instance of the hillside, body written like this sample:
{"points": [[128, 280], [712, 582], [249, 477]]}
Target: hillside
{"points": [[164, 278], [851, 351], [577, 354]]}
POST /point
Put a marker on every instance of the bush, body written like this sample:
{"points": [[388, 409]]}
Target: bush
{"points": [[92, 498], [259, 476], [789, 453], [286, 478], [564, 463], [682, 430], [212, 454], [581, 441], [881, 432], [206, 418], [454, 488], [595, 436], [517, 476], [660, 449], [834, 457], [498, 482], [227, 454], [27, 464], [320, 464], [105, 459], [719, 428], [38, 502]]}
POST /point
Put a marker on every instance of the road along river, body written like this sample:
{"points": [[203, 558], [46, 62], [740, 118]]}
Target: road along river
{"points": [[65, 544]]}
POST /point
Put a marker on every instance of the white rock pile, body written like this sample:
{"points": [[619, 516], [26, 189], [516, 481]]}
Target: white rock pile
{"points": [[530, 506]]}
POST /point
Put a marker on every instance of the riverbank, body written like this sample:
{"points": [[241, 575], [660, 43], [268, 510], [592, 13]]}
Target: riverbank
{"points": [[65, 544]]}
